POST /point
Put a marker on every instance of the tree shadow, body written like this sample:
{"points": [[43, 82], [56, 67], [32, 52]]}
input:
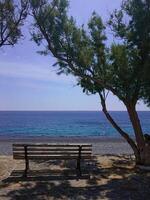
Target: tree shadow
{"points": [[116, 182], [44, 175], [55, 170]]}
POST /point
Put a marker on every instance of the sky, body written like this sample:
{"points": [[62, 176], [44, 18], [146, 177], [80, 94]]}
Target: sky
{"points": [[29, 82]]}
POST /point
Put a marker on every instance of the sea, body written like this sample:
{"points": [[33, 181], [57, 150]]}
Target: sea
{"points": [[66, 123]]}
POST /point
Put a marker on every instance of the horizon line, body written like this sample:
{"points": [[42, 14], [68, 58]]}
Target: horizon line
{"points": [[69, 110]]}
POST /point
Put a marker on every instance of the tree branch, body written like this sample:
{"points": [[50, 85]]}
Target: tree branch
{"points": [[5, 36], [118, 128]]}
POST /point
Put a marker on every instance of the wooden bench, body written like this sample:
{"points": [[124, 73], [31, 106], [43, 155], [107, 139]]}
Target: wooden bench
{"points": [[51, 151]]}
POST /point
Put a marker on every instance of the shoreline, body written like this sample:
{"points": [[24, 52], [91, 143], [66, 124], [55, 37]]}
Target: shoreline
{"points": [[100, 145], [60, 138]]}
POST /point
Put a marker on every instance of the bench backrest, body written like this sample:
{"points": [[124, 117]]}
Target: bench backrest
{"points": [[51, 151]]}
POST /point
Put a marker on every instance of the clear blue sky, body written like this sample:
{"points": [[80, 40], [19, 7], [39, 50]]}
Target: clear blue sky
{"points": [[28, 81]]}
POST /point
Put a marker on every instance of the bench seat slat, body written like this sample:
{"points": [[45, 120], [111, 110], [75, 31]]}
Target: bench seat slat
{"points": [[51, 145], [54, 157], [51, 150], [49, 153]]}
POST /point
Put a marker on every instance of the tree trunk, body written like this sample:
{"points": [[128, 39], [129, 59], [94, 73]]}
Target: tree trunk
{"points": [[136, 125], [143, 147], [122, 133]]}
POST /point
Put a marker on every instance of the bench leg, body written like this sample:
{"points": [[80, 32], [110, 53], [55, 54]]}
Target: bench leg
{"points": [[79, 167], [26, 167]]}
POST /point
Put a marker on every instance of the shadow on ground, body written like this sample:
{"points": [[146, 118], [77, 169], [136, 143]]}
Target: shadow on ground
{"points": [[109, 177]]}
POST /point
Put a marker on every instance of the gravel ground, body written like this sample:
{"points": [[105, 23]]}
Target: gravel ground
{"points": [[100, 146]]}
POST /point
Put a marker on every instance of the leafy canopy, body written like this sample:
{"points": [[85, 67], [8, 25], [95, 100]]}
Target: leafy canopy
{"points": [[121, 68], [11, 19]]}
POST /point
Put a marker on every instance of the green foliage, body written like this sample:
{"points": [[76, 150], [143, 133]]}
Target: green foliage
{"points": [[121, 69], [131, 24], [77, 51], [11, 19]]}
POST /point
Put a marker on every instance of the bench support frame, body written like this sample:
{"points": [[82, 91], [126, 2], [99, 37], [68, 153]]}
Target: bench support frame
{"points": [[26, 160], [24, 151], [79, 160]]}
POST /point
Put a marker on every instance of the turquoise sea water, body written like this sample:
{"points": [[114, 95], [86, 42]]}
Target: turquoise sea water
{"points": [[65, 123]]}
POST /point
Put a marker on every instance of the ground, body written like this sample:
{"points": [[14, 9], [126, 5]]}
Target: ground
{"points": [[106, 177]]}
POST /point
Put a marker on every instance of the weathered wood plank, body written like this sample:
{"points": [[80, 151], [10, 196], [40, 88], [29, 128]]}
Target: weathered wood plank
{"points": [[53, 157], [49, 153], [52, 149], [51, 145]]}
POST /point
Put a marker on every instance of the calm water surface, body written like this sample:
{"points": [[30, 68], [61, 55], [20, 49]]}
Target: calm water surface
{"points": [[64, 123]]}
